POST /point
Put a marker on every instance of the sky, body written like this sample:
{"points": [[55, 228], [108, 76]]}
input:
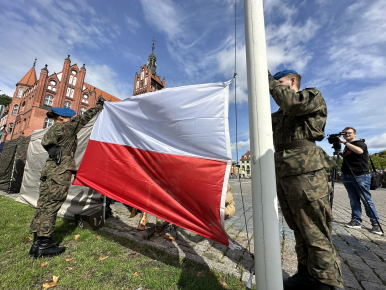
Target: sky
{"points": [[337, 47]]}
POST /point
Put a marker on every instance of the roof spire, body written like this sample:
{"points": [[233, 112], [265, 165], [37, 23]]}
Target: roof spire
{"points": [[35, 62], [152, 48]]}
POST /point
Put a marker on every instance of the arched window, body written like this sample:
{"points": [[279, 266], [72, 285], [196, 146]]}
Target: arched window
{"points": [[146, 81], [72, 93], [20, 92], [49, 88], [68, 92], [74, 81], [48, 100], [22, 107], [67, 105], [54, 89], [70, 80], [10, 127], [15, 109], [48, 123], [82, 110]]}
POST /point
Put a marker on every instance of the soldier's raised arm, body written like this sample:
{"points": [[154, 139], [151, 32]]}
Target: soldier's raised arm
{"points": [[290, 99]]}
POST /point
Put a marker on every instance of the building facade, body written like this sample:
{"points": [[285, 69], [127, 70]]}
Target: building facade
{"points": [[147, 80], [34, 97], [245, 165]]}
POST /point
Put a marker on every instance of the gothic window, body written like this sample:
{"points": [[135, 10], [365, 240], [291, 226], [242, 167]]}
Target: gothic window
{"points": [[142, 74], [74, 72], [22, 107], [48, 100], [72, 93], [74, 81], [137, 84], [54, 89], [70, 80], [68, 92], [146, 81], [48, 123], [15, 109], [10, 127], [67, 105], [53, 83], [49, 87], [82, 110], [20, 92]]}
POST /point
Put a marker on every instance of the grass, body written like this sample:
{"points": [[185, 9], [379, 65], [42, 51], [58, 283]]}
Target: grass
{"points": [[128, 265]]}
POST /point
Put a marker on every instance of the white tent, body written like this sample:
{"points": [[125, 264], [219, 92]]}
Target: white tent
{"points": [[79, 197]]}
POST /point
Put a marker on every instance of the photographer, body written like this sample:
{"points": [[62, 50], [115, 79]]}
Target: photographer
{"points": [[301, 178], [357, 157]]}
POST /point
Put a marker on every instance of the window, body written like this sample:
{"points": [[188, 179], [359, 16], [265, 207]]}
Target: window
{"points": [[82, 110], [74, 72], [68, 92], [67, 105], [10, 127], [15, 109], [137, 84], [74, 81], [48, 123], [54, 89], [142, 74], [53, 83], [22, 107], [70, 80], [20, 92], [72, 93], [146, 81], [48, 100], [50, 88]]}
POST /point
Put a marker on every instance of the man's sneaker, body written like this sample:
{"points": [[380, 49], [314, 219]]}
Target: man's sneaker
{"points": [[376, 230], [353, 225]]}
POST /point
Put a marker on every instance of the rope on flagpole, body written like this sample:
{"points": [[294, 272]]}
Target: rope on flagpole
{"points": [[237, 151]]}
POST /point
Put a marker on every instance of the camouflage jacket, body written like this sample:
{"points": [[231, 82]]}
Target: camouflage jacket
{"points": [[64, 136], [302, 116]]}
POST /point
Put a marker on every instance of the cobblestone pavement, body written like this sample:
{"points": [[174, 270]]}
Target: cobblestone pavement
{"points": [[363, 254]]}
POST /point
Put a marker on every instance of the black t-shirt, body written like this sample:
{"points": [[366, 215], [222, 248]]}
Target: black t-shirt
{"points": [[357, 162]]}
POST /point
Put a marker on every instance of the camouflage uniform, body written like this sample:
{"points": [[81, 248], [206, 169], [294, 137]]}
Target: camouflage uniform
{"points": [[302, 187], [56, 179]]}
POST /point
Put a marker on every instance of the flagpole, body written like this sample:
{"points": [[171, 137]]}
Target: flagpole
{"points": [[264, 198]]}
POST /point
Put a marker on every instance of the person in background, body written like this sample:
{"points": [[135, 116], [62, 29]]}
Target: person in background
{"points": [[357, 157]]}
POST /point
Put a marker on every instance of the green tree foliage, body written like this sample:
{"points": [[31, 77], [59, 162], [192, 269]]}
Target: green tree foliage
{"points": [[5, 100], [379, 162]]}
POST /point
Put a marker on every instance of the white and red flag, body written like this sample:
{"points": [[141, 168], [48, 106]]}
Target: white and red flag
{"points": [[167, 153]]}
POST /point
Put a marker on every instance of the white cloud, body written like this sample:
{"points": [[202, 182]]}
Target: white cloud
{"points": [[241, 145], [377, 142], [133, 24]]}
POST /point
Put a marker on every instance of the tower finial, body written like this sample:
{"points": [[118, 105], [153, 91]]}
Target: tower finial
{"points": [[152, 48], [35, 62]]}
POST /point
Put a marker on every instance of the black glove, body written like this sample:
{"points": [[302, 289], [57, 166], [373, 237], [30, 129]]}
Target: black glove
{"points": [[270, 78], [101, 101]]}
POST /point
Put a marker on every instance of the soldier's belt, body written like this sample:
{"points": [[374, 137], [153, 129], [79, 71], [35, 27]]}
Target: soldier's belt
{"points": [[293, 145]]}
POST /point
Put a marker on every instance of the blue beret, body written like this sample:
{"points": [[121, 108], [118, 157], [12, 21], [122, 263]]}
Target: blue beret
{"points": [[283, 73], [64, 112]]}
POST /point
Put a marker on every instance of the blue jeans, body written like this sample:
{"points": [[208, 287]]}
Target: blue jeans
{"points": [[355, 195]]}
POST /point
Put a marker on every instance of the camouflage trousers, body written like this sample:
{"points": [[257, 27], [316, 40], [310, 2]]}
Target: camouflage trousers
{"points": [[304, 201], [52, 196]]}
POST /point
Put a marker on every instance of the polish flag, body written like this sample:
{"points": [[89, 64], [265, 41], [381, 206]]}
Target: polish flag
{"points": [[167, 153]]}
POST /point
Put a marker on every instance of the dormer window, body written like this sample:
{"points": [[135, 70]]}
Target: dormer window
{"points": [[20, 92]]}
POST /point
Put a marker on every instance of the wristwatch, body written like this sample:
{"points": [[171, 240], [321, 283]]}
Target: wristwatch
{"points": [[345, 143]]}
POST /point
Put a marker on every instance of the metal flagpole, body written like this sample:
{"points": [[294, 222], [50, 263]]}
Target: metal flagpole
{"points": [[264, 198]]}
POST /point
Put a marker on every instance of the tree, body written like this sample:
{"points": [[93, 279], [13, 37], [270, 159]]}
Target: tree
{"points": [[5, 100]]}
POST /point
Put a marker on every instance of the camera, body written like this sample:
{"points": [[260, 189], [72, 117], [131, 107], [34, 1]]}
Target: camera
{"points": [[333, 138]]}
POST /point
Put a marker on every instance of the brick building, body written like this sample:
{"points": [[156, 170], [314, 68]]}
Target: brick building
{"points": [[34, 97], [147, 80]]}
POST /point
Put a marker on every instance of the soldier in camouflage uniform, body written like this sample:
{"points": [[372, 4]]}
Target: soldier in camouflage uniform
{"points": [[302, 187], [60, 141]]}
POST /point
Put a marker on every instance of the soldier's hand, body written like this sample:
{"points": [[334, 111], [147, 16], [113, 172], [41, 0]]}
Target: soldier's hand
{"points": [[101, 101], [270, 77]]}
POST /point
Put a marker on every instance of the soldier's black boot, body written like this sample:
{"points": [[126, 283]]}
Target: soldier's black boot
{"points": [[48, 248], [302, 280], [33, 252], [321, 286]]}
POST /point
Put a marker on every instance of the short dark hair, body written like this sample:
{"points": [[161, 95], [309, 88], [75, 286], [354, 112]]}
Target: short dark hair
{"points": [[296, 76], [347, 128]]}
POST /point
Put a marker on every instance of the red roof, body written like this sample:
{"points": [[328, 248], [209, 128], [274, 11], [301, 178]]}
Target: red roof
{"points": [[248, 156], [29, 78], [98, 92]]}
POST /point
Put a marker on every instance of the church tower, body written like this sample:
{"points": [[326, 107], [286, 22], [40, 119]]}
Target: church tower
{"points": [[148, 80]]}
